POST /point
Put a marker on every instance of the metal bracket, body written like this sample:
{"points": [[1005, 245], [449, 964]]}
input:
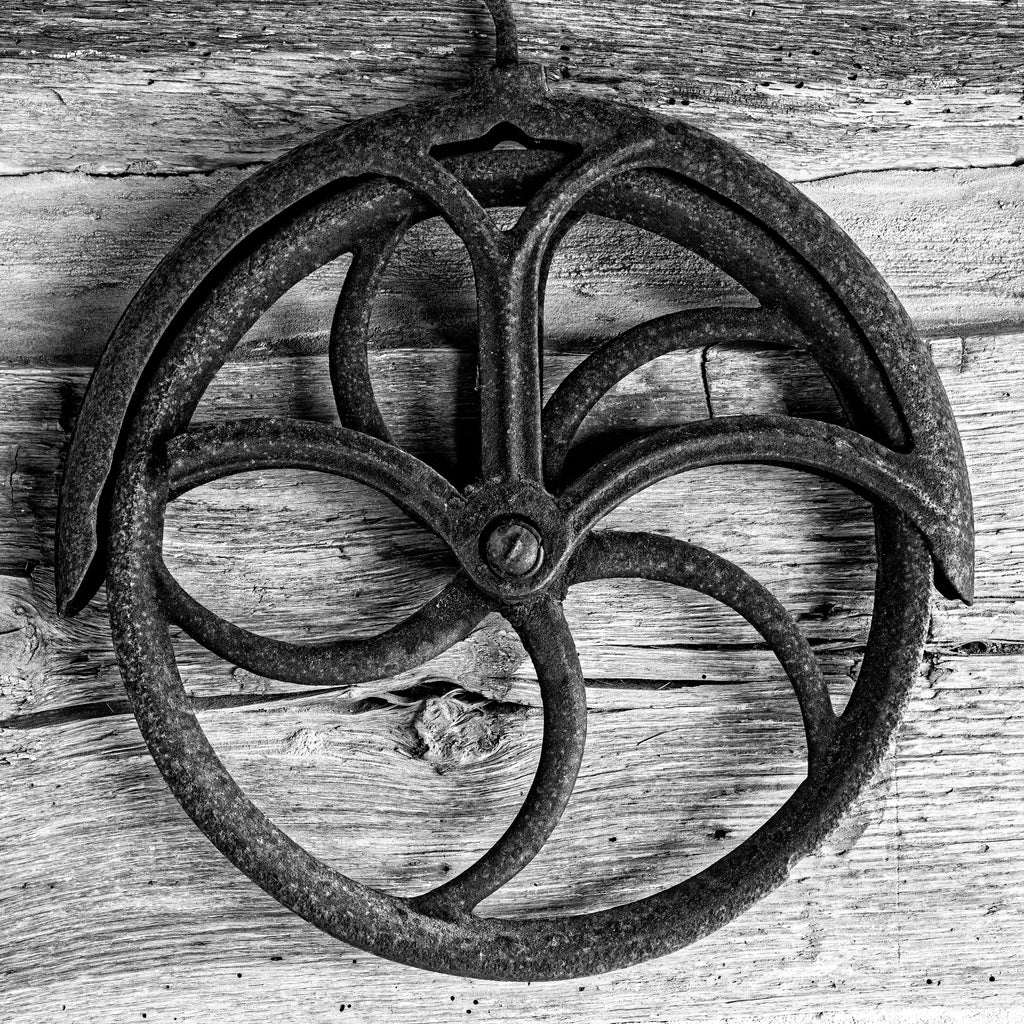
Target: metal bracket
{"points": [[525, 531]]}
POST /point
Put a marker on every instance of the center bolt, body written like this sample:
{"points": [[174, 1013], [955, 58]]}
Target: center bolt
{"points": [[512, 547]]}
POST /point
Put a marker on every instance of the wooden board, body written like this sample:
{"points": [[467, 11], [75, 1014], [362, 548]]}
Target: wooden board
{"points": [[193, 85], [120, 125]]}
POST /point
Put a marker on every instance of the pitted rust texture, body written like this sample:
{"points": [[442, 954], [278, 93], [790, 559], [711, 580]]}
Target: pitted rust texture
{"points": [[526, 529]]}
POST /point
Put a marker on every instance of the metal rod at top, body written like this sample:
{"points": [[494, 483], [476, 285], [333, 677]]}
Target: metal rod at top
{"points": [[506, 37]]}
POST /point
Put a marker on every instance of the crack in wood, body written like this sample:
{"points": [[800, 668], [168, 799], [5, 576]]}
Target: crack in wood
{"points": [[419, 693], [251, 166], [911, 168], [245, 167]]}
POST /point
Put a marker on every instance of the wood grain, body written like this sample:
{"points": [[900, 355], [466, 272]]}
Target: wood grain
{"points": [[915, 902], [74, 249], [121, 124], [192, 85]]}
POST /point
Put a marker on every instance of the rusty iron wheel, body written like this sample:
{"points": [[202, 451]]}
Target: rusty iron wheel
{"points": [[527, 528]]}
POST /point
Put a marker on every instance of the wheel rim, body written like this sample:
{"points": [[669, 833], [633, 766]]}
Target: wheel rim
{"points": [[899, 450]]}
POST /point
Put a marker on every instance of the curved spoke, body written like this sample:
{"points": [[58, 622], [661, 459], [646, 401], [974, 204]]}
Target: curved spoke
{"points": [[443, 621], [507, 310], [202, 454], [581, 390], [537, 227], [350, 372], [510, 268], [567, 224], [451, 198], [509, 303], [822, 448], [207, 453], [609, 554], [545, 635]]}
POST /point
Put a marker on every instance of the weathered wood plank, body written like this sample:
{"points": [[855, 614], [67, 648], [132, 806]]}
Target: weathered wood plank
{"points": [[142, 917], [183, 86], [73, 250], [115, 906]]}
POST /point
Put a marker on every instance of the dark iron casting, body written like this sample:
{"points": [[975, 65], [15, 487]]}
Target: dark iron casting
{"points": [[524, 531]]}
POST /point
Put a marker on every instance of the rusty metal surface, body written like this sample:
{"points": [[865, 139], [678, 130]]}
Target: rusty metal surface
{"points": [[526, 528]]}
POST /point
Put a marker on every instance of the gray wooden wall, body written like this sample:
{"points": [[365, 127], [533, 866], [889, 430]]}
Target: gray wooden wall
{"points": [[121, 123]]}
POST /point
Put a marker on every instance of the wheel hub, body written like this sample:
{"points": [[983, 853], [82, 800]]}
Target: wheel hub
{"points": [[513, 547]]}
